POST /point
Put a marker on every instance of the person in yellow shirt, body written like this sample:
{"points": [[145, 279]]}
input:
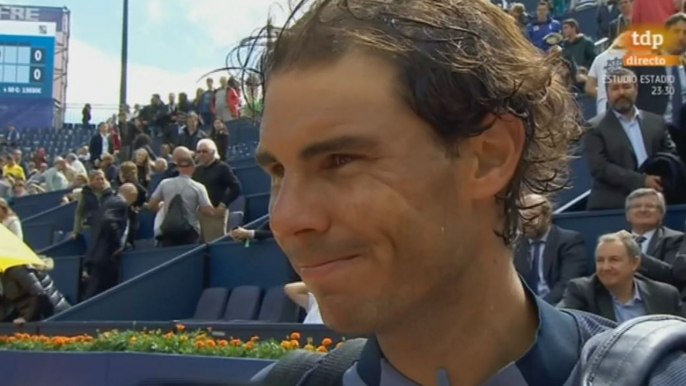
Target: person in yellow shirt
{"points": [[13, 169]]}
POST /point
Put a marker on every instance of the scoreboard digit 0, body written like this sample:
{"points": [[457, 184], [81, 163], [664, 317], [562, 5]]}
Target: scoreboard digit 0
{"points": [[26, 66]]}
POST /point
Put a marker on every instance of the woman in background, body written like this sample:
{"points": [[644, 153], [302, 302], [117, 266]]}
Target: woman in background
{"points": [[10, 219]]}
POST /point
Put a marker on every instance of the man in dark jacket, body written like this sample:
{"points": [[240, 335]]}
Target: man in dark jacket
{"points": [[191, 134], [577, 45], [103, 259], [222, 186]]}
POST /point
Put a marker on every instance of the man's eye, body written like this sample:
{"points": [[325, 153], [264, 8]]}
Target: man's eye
{"points": [[338, 160]]}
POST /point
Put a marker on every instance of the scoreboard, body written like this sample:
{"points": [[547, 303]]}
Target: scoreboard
{"points": [[27, 52]]}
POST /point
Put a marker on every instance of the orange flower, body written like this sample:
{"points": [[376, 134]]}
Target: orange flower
{"points": [[223, 343], [326, 342], [255, 338], [169, 335], [295, 343], [249, 346], [87, 338], [235, 342], [180, 327], [199, 344], [285, 344], [210, 343], [295, 335], [322, 349]]}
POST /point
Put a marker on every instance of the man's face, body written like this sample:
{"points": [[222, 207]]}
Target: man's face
{"points": [[622, 95], [43, 167], [542, 12], [644, 213], [104, 129], [192, 122], [205, 154], [624, 7], [16, 155], [365, 202], [209, 82], [98, 182], [677, 38], [614, 266], [538, 221], [568, 31]]}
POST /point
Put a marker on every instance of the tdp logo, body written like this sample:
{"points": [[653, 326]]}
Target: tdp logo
{"points": [[647, 39]]}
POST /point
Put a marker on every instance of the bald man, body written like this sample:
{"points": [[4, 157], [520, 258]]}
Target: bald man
{"points": [[103, 258], [548, 256]]}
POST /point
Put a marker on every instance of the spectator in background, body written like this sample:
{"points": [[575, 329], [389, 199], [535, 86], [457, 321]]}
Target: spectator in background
{"points": [[19, 190], [103, 259], [543, 25], [74, 163], [262, 232], [108, 167], [86, 115], [13, 137], [206, 106], [31, 169], [613, 163], [184, 106], [616, 292], [234, 97], [165, 152], [220, 136], [645, 210], [177, 229], [128, 174], [222, 187], [115, 135], [154, 116], [100, 144], [55, 177], [160, 165], [197, 101], [653, 12], [224, 101], [38, 178], [144, 166], [548, 256], [142, 141], [13, 169], [253, 99], [30, 294], [171, 103], [191, 134], [10, 220], [301, 296], [18, 159], [40, 156], [605, 63], [5, 187], [576, 45], [82, 154], [607, 12], [79, 181], [127, 130], [90, 201], [623, 21]]}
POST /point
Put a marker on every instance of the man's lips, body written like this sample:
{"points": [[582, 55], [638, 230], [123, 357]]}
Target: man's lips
{"points": [[325, 268]]}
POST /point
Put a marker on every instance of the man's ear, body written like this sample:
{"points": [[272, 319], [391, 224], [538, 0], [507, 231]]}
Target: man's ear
{"points": [[497, 152]]}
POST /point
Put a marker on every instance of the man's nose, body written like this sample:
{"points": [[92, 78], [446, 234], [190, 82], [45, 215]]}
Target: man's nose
{"points": [[297, 207]]}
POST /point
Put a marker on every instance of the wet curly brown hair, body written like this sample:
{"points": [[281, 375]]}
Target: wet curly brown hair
{"points": [[460, 65]]}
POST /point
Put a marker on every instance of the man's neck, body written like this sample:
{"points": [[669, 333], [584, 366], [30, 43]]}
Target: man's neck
{"points": [[491, 330], [542, 20], [642, 230], [623, 292], [572, 38]]}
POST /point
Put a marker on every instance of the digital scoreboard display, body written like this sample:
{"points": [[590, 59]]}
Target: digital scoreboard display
{"points": [[27, 52]]}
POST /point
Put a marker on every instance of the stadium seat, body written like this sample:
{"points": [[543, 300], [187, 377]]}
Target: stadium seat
{"points": [[211, 304], [243, 304], [278, 308]]}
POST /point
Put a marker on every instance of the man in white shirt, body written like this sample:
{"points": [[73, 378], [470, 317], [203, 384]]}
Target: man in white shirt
{"points": [[301, 296], [609, 60]]}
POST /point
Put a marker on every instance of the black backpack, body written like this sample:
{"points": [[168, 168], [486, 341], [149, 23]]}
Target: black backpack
{"points": [[624, 356], [175, 223]]}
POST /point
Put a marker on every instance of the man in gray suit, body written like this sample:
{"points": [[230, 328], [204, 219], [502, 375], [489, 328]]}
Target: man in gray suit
{"points": [[645, 209], [616, 291], [620, 140], [548, 256]]}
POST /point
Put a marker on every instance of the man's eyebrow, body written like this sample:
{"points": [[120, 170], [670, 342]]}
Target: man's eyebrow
{"points": [[338, 144], [333, 145]]}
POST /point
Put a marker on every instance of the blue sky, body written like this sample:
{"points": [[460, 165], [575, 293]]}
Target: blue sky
{"points": [[172, 43]]}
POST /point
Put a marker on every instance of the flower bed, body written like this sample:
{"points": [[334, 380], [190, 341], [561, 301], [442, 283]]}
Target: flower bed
{"points": [[179, 341]]}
